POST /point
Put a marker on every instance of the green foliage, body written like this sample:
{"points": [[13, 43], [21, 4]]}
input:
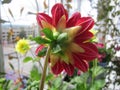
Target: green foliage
{"points": [[48, 33], [32, 85], [57, 83], [97, 85], [94, 79], [41, 40], [97, 70], [34, 79], [27, 59], [35, 74], [5, 84]]}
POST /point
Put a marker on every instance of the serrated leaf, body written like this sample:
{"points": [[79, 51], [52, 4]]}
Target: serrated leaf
{"points": [[48, 33], [41, 40], [27, 59]]}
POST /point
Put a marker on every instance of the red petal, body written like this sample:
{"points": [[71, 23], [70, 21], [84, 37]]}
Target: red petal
{"points": [[39, 48], [68, 68], [44, 17], [83, 37], [57, 68], [58, 11], [72, 21], [79, 63], [91, 51], [86, 23]]}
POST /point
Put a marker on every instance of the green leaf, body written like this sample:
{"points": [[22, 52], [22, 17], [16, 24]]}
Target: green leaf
{"points": [[57, 82], [34, 88], [48, 33], [53, 88], [42, 52], [34, 83], [80, 79], [97, 70], [2, 80], [62, 37], [41, 40], [34, 73], [93, 88], [49, 77], [27, 59], [98, 84], [36, 59], [56, 49], [65, 86], [77, 79], [80, 87]]}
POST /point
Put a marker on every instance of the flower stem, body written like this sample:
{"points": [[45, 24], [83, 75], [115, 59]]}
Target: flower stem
{"points": [[93, 73], [41, 87]]}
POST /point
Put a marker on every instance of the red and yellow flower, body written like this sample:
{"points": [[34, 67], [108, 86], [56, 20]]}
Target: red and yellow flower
{"points": [[75, 48]]}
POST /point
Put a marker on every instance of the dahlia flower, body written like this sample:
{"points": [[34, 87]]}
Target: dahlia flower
{"points": [[70, 44]]}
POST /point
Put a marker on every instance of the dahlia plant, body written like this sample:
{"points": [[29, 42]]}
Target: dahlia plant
{"points": [[66, 42]]}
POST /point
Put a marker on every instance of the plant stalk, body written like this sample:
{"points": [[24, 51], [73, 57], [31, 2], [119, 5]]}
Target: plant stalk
{"points": [[94, 66], [41, 87]]}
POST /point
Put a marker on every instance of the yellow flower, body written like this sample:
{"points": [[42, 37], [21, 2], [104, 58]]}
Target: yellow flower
{"points": [[22, 46]]}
